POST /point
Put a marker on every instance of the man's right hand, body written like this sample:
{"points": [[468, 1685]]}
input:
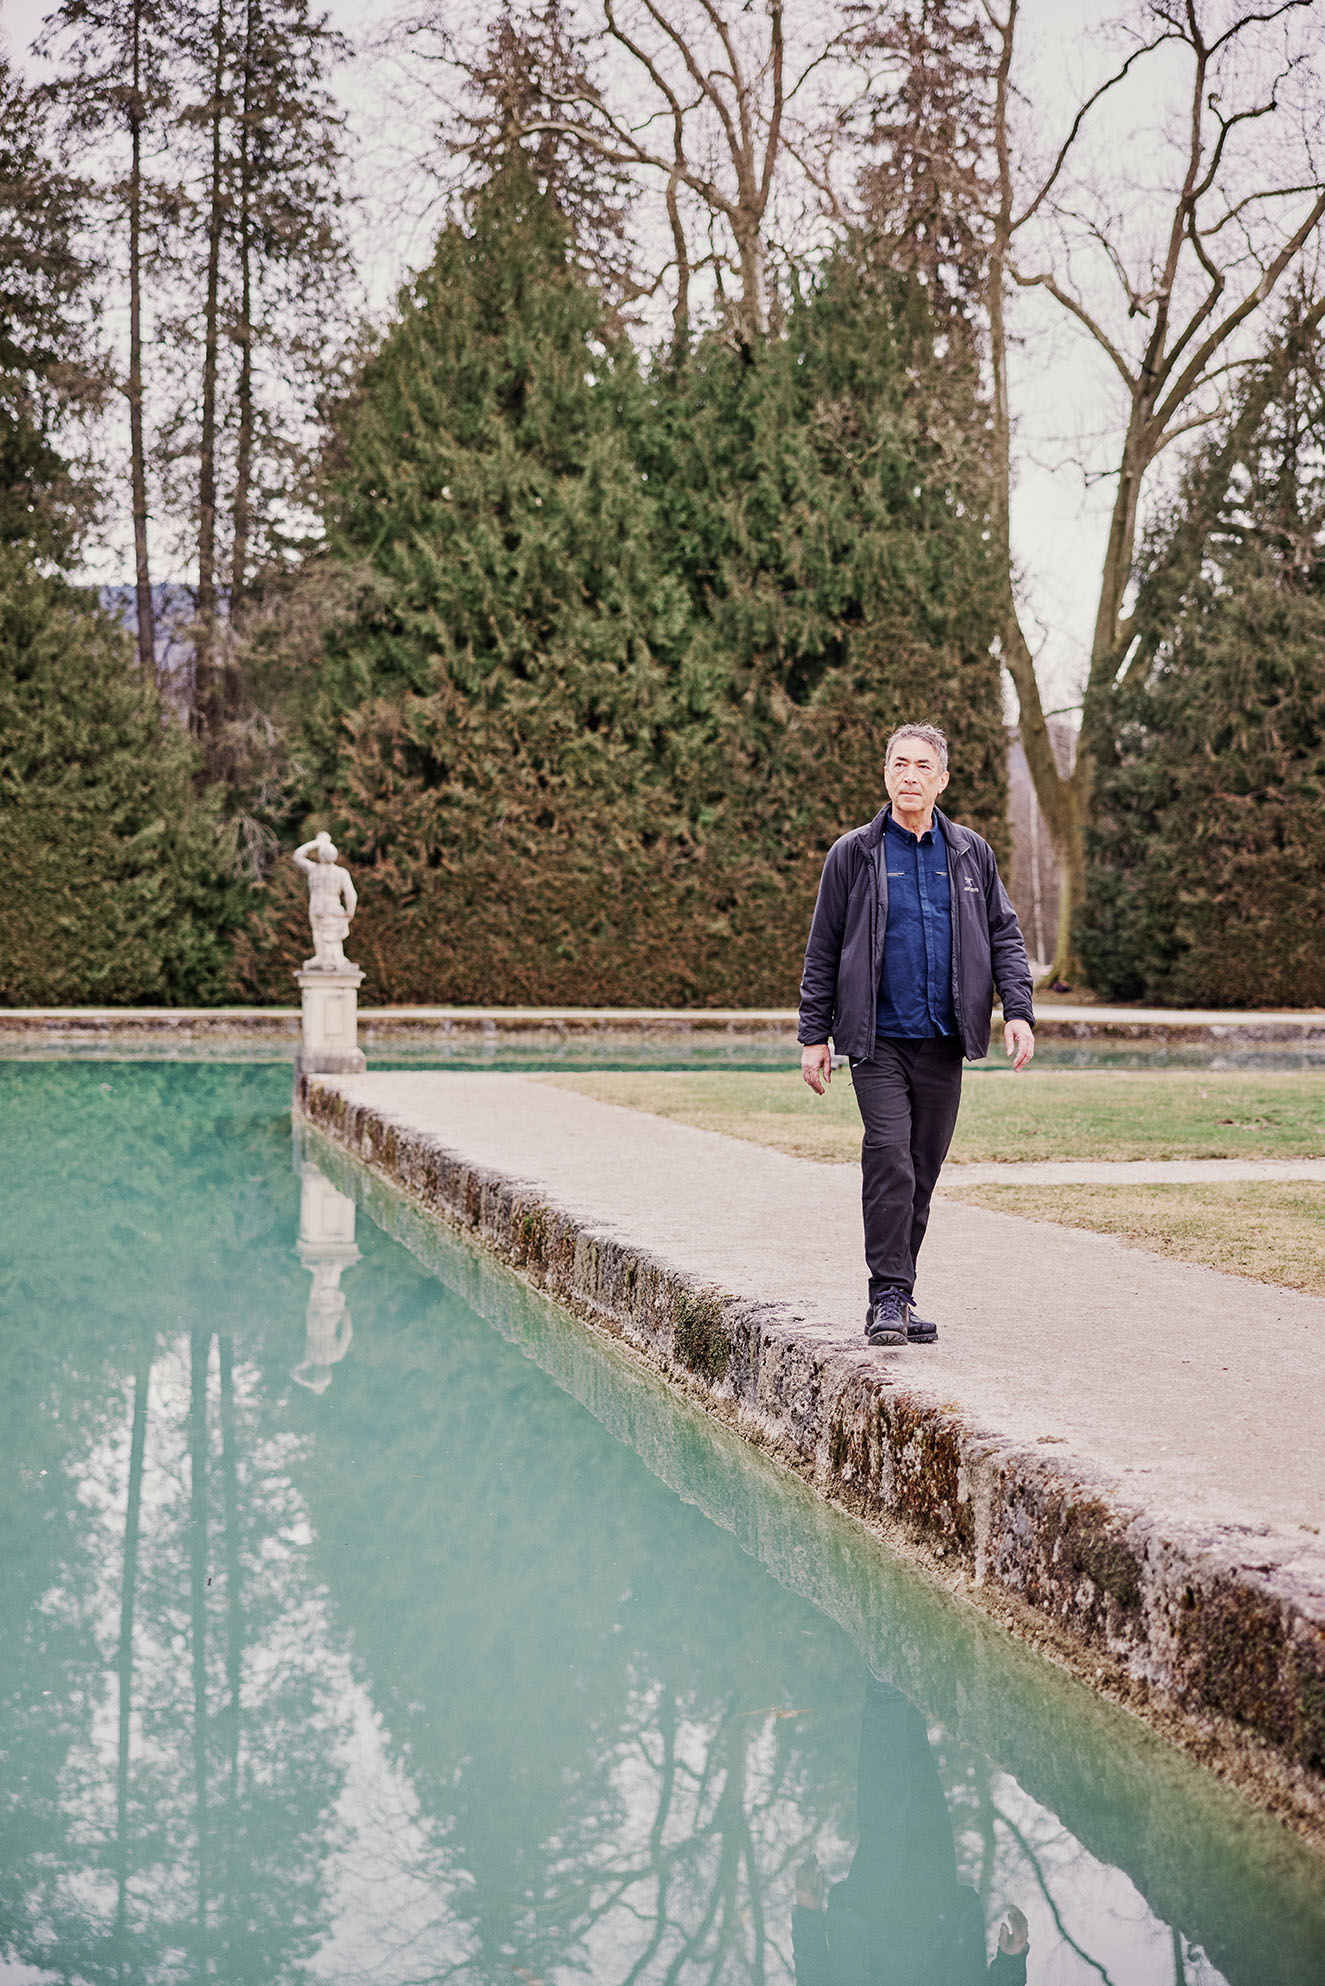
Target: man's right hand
{"points": [[1014, 1933], [817, 1066]]}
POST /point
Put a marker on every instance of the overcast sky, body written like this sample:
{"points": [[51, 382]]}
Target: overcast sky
{"points": [[1066, 400]]}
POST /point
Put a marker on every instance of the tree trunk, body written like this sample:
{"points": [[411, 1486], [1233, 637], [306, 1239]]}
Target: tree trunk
{"points": [[208, 699], [1056, 795], [681, 307], [752, 321], [242, 515], [137, 457]]}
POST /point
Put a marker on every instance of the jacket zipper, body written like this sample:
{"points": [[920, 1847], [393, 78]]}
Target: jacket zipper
{"points": [[879, 912], [956, 904]]}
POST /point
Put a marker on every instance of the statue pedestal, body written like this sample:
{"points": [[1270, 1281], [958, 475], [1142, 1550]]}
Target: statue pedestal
{"points": [[329, 1039]]}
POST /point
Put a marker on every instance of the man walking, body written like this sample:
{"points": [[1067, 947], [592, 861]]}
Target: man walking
{"points": [[912, 931]]}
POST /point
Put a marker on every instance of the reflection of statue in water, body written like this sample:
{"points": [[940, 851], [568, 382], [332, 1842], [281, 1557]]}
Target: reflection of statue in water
{"points": [[326, 1248], [900, 1918], [331, 903], [327, 1328]]}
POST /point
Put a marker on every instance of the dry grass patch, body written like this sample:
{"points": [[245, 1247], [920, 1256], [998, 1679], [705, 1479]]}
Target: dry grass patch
{"points": [[769, 1109], [1041, 1114], [1270, 1231]]}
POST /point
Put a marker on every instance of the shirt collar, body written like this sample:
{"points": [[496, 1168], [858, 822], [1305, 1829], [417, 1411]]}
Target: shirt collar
{"points": [[905, 834]]}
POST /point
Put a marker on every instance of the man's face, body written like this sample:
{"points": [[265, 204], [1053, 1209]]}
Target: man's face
{"points": [[914, 777]]}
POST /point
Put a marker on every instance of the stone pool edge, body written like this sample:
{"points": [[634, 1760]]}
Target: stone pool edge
{"points": [[1216, 1660], [420, 1026]]}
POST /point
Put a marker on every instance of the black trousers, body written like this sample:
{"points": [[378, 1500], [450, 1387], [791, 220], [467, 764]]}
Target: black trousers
{"points": [[908, 1095]]}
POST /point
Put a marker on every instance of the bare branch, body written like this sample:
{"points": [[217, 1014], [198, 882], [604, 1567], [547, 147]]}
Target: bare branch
{"points": [[820, 180], [646, 62], [701, 81], [1224, 330], [1138, 301], [626, 151], [1229, 124], [736, 79], [1235, 28], [1083, 316], [834, 46], [1187, 427], [1269, 193], [775, 118], [1147, 49]]}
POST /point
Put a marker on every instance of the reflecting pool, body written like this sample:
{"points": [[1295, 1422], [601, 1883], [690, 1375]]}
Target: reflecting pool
{"points": [[365, 1619]]}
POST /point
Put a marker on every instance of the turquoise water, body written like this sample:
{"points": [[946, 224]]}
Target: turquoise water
{"points": [[551, 1051], [366, 1620]]}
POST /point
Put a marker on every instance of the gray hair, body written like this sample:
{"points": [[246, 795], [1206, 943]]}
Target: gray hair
{"points": [[931, 735]]}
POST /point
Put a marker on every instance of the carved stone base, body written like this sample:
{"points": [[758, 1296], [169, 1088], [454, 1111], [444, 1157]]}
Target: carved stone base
{"points": [[329, 1039]]}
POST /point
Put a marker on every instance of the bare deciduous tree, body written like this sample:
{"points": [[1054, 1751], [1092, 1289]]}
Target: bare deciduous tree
{"points": [[1169, 307], [517, 81], [699, 100]]}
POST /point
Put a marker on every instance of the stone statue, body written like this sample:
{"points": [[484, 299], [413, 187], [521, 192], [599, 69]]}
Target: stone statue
{"points": [[327, 1328], [326, 1248], [331, 904]]}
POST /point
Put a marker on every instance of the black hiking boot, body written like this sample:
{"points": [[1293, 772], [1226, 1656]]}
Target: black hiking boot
{"points": [[919, 1330], [887, 1318]]}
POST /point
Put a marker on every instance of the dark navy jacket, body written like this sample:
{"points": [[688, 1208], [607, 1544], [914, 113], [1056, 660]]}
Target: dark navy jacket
{"points": [[844, 957]]}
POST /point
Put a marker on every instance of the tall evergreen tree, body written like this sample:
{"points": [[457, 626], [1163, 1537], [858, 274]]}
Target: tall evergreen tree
{"points": [[828, 500], [51, 369], [531, 64], [492, 733], [120, 883], [927, 144], [1206, 862]]}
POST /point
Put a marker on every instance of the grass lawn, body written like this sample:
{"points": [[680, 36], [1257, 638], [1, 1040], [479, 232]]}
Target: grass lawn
{"points": [[1270, 1231], [1274, 1233], [1040, 1114]]}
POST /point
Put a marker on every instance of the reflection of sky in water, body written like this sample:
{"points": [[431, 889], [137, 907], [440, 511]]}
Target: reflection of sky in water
{"points": [[460, 1650]]}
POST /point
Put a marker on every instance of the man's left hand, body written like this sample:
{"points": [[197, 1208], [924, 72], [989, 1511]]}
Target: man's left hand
{"points": [[1019, 1040]]}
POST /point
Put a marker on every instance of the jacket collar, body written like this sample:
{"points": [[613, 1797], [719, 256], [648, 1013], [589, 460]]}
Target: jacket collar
{"points": [[957, 837]]}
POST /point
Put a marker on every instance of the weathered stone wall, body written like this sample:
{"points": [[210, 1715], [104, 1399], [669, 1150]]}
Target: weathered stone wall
{"points": [[1229, 1663]]}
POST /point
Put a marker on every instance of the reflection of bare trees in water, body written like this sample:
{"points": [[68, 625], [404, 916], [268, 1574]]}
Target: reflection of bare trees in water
{"points": [[1009, 1846], [710, 1876], [680, 1869], [196, 1791]]}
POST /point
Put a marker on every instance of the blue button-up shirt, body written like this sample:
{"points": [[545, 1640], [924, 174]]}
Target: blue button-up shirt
{"points": [[915, 986]]}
